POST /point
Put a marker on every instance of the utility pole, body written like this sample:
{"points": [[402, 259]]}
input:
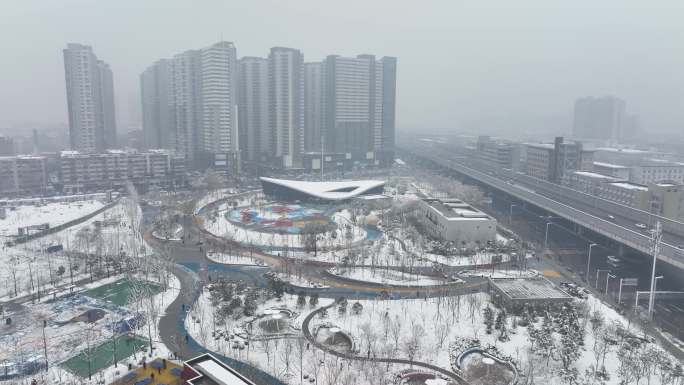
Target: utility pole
{"points": [[45, 345], [589, 261], [655, 244]]}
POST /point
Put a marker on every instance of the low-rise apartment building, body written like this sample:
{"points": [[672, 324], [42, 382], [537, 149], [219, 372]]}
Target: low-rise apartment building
{"points": [[23, 175], [498, 153], [551, 161], [113, 169]]}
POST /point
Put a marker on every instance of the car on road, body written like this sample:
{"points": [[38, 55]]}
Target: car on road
{"points": [[611, 217], [640, 226]]}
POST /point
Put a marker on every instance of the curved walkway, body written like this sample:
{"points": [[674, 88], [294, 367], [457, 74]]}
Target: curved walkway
{"points": [[307, 334]]}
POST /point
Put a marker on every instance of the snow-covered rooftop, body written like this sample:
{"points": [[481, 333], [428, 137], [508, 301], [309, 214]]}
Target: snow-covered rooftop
{"points": [[630, 186], [334, 190], [595, 175], [609, 165], [214, 372], [623, 150]]}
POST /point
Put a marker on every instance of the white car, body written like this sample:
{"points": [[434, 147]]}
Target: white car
{"points": [[611, 217], [640, 226]]}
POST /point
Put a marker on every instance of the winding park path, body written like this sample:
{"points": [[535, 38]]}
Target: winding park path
{"points": [[310, 338]]}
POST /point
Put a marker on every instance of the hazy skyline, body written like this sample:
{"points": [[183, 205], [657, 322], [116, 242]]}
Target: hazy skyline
{"points": [[461, 64]]}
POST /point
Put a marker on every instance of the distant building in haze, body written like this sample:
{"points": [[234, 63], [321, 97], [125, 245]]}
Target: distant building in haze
{"points": [[551, 161], [218, 98], [599, 118], [276, 112], [359, 107], [286, 105], [157, 96], [189, 105], [90, 100], [23, 175], [7, 146], [313, 106], [253, 112]]}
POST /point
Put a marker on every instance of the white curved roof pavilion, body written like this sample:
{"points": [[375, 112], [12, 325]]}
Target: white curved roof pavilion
{"points": [[328, 191]]}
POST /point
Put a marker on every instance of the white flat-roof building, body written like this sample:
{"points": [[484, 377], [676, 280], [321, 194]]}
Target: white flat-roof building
{"points": [[455, 220], [614, 170], [333, 191], [208, 370]]}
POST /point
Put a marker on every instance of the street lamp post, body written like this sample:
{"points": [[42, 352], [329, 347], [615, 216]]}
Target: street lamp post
{"points": [[510, 213], [546, 235], [609, 276], [655, 241], [598, 271], [589, 261]]}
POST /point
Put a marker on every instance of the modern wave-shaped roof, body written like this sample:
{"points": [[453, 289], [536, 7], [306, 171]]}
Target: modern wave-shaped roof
{"points": [[334, 191]]}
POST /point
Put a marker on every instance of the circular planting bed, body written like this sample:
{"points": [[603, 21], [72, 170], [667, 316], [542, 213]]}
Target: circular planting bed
{"points": [[480, 368], [421, 378], [334, 338], [274, 321]]}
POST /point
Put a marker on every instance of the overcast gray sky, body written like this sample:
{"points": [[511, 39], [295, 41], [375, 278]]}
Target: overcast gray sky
{"points": [[459, 61]]}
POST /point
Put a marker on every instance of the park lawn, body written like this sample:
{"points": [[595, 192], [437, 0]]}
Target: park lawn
{"points": [[119, 291]]}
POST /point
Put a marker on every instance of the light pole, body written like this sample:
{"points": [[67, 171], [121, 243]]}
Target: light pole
{"points": [[655, 240], [609, 276], [546, 235], [598, 271], [589, 261], [510, 213]]}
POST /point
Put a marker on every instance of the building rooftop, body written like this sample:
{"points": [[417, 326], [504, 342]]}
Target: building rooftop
{"points": [[547, 146], [630, 186], [595, 175], [332, 191], [610, 165], [454, 209], [623, 150], [211, 371]]}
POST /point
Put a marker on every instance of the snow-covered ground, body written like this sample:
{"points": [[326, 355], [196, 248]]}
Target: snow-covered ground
{"points": [[288, 359], [427, 330], [388, 326], [51, 213], [386, 276], [66, 337], [31, 266], [173, 234]]}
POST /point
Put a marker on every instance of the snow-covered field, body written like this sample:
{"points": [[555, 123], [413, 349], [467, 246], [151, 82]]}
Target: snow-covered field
{"points": [[51, 213], [386, 276], [290, 359], [428, 330], [66, 337], [31, 266], [172, 234]]}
